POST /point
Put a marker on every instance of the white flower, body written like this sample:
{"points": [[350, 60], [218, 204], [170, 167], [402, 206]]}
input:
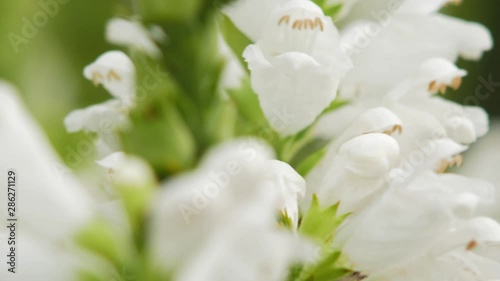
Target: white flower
{"points": [[424, 231], [116, 72], [296, 64], [419, 227], [388, 45], [357, 163], [127, 171], [425, 116], [129, 33], [223, 216], [482, 160], [51, 205], [251, 16]]}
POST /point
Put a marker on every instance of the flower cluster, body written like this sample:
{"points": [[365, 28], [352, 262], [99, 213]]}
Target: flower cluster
{"points": [[281, 140]]}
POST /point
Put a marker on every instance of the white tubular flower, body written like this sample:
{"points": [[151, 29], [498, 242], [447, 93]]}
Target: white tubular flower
{"points": [[380, 37], [51, 206], [114, 71], [296, 65], [123, 32], [440, 242], [97, 117], [233, 193], [292, 188], [425, 116], [127, 171], [358, 162], [251, 16]]}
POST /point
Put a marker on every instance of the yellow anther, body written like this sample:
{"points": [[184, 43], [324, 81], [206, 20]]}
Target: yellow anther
{"points": [[113, 75], [455, 84], [97, 78], [318, 22], [297, 24], [284, 19]]}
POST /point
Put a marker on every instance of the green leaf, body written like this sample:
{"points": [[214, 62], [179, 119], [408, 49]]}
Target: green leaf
{"points": [[248, 106], [309, 156], [333, 11], [236, 40]]}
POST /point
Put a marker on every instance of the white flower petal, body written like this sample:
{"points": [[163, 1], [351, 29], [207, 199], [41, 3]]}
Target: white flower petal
{"points": [[123, 32], [43, 188], [116, 72]]}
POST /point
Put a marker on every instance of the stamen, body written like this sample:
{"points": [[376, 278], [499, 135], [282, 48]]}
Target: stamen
{"points": [[318, 22], [433, 87], [395, 128], [308, 23], [456, 161], [284, 19], [455, 84], [297, 24], [97, 78], [472, 244], [442, 89], [113, 75]]}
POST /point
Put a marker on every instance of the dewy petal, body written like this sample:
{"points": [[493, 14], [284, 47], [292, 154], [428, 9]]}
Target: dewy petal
{"points": [[123, 32], [293, 88], [116, 72], [43, 188], [250, 16]]}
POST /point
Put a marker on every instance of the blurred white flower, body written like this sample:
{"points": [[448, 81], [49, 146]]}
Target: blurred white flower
{"points": [[425, 230], [116, 72], [223, 217], [128, 33], [51, 205]]}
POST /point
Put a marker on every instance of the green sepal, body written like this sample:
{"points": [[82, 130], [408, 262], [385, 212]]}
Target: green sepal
{"points": [[320, 223]]}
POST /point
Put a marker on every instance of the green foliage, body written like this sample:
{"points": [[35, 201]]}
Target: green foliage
{"points": [[236, 40], [329, 10], [170, 10], [320, 224], [99, 238]]}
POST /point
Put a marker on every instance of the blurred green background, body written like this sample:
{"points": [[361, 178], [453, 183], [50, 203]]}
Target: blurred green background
{"points": [[47, 69]]}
